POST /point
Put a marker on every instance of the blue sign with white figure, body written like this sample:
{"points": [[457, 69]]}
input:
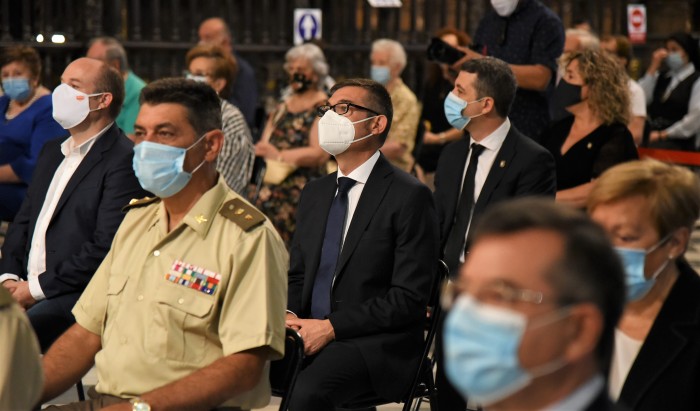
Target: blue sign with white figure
{"points": [[307, 25]]}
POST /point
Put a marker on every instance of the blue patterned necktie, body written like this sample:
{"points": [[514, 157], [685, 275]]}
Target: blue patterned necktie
{"points": [[330, 251]]}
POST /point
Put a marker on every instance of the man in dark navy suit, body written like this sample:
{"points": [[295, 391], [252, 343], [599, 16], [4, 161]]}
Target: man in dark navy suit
{"points": [[362, 260], [492, 163], [73, 206]]}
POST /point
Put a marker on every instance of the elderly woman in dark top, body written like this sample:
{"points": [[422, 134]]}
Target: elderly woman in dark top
{"points": [[290, 138], [649, 209], [595, 138]]}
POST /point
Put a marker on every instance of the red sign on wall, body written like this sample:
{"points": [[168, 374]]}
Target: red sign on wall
{"points": [[637, 23]]}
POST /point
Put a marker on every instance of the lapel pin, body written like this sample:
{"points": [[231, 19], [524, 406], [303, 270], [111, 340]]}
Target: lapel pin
{"points": [[200, 219], [590, 145], [502, 164]]}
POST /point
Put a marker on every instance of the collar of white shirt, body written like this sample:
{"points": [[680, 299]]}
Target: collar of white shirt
{"points": [[68, 146], [494, 141], [361, 173], [582, 397], [683, 73]]}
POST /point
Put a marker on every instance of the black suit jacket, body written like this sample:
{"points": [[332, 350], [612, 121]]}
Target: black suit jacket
{"points": [[666, 373], [522, 168], [602, 402], [383, 275], [86, 217]]}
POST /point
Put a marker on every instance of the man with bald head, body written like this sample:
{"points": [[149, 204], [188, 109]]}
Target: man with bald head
{"points": [[111, 51], [72, 209], [245, 89]]}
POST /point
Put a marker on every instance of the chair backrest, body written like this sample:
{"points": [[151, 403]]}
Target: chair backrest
{"points": [[256, 177], [283, 372]]}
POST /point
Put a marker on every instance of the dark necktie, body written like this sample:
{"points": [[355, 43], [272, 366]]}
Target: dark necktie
{"points": [[330, 251], [456, 239]]}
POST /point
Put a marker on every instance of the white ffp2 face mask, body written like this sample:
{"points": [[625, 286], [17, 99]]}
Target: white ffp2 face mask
{"points": [[336, 132], [70, 106], [504, 8]]}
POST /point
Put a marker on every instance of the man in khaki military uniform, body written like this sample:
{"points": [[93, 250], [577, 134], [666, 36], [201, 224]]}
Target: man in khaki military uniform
{"points": [[189, 304], [20, 366]]}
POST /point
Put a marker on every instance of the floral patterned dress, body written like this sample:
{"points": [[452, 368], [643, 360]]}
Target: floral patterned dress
{"points": [[279, 202]]}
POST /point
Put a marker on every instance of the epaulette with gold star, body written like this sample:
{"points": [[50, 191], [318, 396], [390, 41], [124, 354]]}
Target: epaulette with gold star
{"points": [[242, 213], [139, 202]]}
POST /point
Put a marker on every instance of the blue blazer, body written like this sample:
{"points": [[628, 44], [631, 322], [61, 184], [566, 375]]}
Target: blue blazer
{"points": [[86, 217]]}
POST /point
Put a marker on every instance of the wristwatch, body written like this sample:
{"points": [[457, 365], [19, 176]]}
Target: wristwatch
{"points": [[139, 405]]}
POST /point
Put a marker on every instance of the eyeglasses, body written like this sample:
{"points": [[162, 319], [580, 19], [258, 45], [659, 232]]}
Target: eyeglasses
{"points": [[342, 108], [498, 293]]}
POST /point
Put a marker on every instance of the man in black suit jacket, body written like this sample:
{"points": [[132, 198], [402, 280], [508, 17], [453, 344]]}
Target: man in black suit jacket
{"points": [[510, 165], [369, 330], [532, 313], [73, 207]]}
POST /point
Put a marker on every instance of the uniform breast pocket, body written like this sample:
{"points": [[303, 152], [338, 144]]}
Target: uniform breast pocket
{"points": [[115, 290], [180, 324]]}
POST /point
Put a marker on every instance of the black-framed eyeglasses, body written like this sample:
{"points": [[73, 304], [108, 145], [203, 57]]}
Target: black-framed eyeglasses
{"points": [[342, 108]]}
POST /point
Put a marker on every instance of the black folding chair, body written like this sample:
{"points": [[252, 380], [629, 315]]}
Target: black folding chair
{"points": [[256, 178], [283, 372], [423, 386]]}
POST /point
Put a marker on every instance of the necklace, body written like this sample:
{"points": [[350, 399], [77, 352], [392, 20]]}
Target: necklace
{"points": [[26, 105]]}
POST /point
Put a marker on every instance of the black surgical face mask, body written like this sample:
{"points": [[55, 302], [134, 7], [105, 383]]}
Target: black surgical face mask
{"points": [[301, 81], [565, 95]]}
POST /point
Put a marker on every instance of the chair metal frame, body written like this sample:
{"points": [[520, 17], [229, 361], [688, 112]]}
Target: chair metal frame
{"points": [[284, 372]]}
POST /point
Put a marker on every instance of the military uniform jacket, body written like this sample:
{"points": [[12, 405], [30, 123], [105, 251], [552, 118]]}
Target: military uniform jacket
{"points": [[169, 303]]}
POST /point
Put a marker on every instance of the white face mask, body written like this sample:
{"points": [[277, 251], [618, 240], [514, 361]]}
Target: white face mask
{"points": [[336, 132], [70, 106], [504, 8]]}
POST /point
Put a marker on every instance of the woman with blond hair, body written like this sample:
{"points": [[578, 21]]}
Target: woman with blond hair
{"points": [[649, 209], [595, 138]]}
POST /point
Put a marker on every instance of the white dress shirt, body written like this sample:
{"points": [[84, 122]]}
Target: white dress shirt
{"points": [[638, 104], [73, 156], [581, 398], [360, 175], [492, 145], [689, 125]]}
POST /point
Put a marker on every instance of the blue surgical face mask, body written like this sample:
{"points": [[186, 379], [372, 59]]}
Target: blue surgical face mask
{"points": [[158, 167], [197, 78], [674, 61], [16, 88], [481, 350], [454, 106], [634, 260], [380, 74]]}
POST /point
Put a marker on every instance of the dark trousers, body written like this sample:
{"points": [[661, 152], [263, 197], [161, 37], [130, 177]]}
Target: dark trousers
{"points": [[51, 317], [334, 376]]}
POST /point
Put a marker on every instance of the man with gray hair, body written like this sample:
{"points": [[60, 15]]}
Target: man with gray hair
{"points": [[388, 61], [110, 51]]}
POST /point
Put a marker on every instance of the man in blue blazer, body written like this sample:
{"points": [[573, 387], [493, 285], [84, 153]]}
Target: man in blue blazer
{"points": [[361, 262], [73, 207], [505, 164]]}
